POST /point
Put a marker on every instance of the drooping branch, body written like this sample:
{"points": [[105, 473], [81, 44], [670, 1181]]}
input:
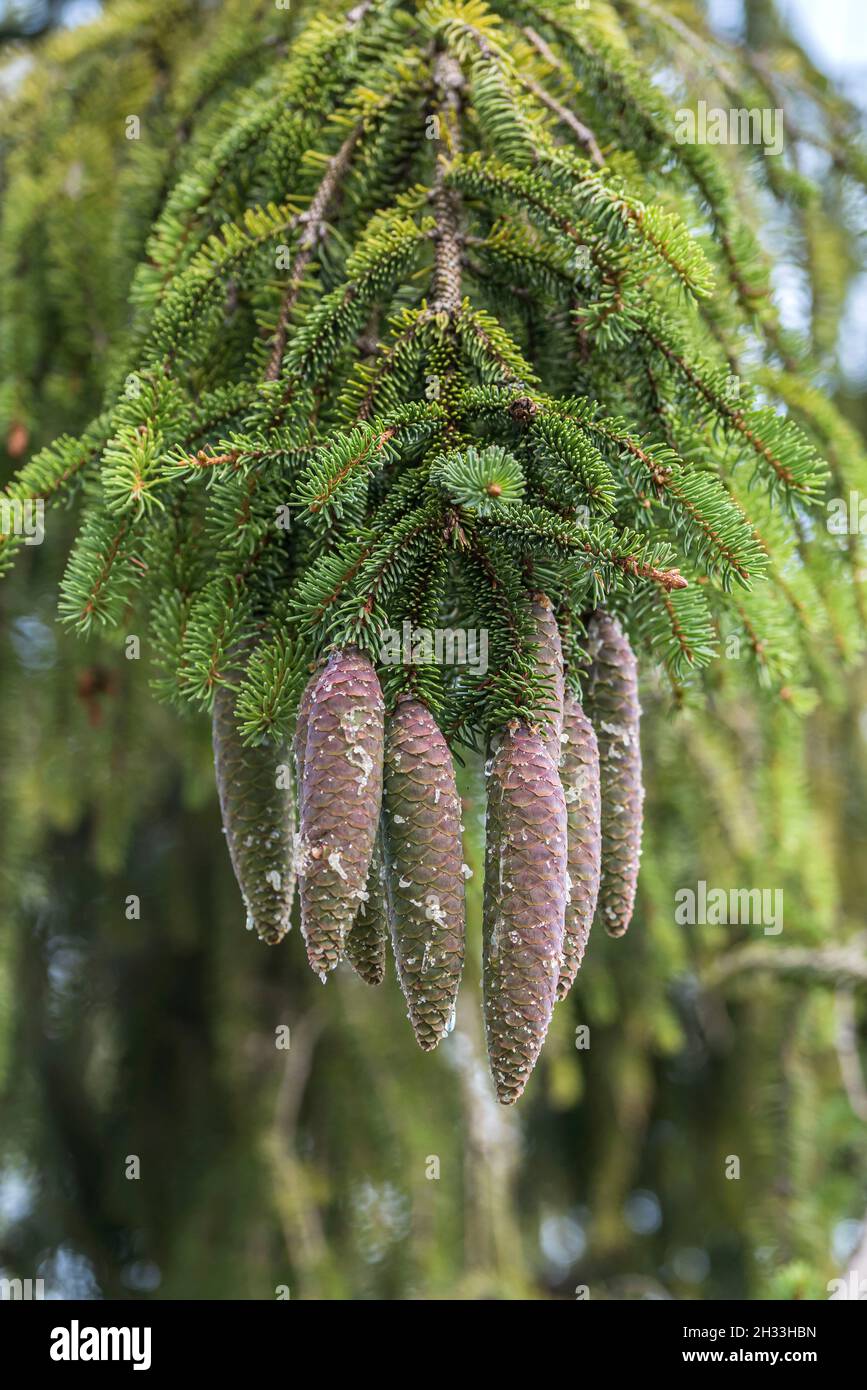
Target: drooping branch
{"points": [[313, 223], [583, 134], [446, 286], [832, 965]]}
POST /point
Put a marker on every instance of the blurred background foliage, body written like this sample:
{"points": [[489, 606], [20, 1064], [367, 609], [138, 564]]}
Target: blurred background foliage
{"points": [[351, 1165]]}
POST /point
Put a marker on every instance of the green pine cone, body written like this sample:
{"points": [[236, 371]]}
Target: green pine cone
{"points": [[340, 746], [367, 937], [612, 697], [549, 665], [524, 904], [579, 773], [424, 871], [257, 803]]}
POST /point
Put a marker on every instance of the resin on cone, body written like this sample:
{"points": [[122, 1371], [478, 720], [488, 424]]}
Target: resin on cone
{"points": [[579, 773], [257, 803], [612, 699], [549, 665], [367, 938], [340, 748], [424, 868], [524, 904]]}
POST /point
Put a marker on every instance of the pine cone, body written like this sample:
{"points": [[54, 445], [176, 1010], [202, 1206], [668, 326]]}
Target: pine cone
{"points": [[612, 697], [258, 809], [525, 904], [424, 877], [340, 748], [579, 773], [549, 665], [366, 938]]}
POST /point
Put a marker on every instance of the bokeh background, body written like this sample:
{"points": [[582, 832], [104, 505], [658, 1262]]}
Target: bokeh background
{"points": [[697, 1127]]}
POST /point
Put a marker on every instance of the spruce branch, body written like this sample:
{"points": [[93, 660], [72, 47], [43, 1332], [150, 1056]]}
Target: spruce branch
{"points": [[560, 277], [583, 134], [602, 544], [446, 284], [312, 223], [772, 439], [87, 598], [356, 451], [724, 535], [361, 396], [840, 966]]}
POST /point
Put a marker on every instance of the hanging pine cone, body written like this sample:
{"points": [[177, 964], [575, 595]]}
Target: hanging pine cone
{"points": [[549, 665], [258, 809], [424, 878], [367, 937], [339, 746], [579, 773], [525, 904], [612, 696]]}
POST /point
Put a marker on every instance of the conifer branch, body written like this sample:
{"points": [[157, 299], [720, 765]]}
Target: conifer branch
{"points": [[387, 362], [803, 479], [582, 132], [313, 224], [844, 965], [371, 446], [283, 447], [598, 543], [446, 285]]}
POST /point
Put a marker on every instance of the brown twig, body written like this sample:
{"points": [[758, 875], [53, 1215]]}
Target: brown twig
{"points": [[446, 286], [312, 220], [835, 965], [582, 132]]}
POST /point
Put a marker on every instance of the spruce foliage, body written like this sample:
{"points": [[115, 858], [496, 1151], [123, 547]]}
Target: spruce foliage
{"points": [[444, 299], [742, 792], [438, 314]]}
